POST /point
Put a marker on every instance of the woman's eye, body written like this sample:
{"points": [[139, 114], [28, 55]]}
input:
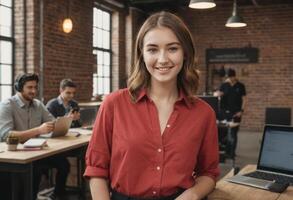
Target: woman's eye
{"points": [[152, 50], [173, 49]]}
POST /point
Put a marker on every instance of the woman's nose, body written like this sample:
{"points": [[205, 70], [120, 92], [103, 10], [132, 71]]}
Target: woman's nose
{"points": [[163, 58]]}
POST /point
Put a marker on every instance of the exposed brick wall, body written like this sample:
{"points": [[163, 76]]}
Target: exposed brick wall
{"points": [[68, 55], [65, 55], [269, 28], [269, 82], [133, 23], [118, 48]]}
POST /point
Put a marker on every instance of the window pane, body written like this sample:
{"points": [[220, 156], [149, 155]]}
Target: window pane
{"points": [[106, 40], [100, 86], [95, 37], [100, 19], [6, 3], [5, 91], [106, 60], [106, 85], [5, 21], [5, 74], [100, 38], [5, 16], [106, 71], [100, 70], [5, 52], [100, 58], [101, 44], [106, 21], [95, 17]]}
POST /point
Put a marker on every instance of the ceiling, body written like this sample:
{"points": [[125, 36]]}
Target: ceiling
{"points": [[153, 5]]}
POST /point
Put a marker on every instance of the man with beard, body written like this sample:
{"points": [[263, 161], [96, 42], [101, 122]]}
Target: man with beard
{"points": [[26, 117]]}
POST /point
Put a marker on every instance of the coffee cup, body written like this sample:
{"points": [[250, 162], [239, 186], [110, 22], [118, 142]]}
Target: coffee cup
{"points": [[12, 143]]}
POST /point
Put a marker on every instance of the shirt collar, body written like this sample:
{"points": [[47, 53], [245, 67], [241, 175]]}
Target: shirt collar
{"points": [[182, 97], [22, 103], [60, 100]]}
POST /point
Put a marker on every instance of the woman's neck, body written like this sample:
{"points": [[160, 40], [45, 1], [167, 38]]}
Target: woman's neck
{"points": [[163, 92]]}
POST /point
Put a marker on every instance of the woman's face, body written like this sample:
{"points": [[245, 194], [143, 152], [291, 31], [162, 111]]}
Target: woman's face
{"points": [[163, 55]]}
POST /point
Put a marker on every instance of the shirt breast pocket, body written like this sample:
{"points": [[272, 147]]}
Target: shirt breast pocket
{"points": [[36, 119]]}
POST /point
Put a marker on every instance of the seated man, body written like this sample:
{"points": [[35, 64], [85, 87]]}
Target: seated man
{"points": [[64, 103], [27, 117]]}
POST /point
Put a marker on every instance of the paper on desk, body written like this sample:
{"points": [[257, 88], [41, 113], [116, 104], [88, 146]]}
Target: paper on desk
{"points": [[80, 131], [35, 143]]}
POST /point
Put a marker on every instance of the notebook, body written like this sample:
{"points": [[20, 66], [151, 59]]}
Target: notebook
{"points": [[35, 143], [62, 125], [275, 161]]}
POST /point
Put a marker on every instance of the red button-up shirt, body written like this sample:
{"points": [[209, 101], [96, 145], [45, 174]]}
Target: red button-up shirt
{"points": [[128, 149]]}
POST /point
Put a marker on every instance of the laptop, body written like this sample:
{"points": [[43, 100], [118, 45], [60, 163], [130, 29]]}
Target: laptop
{"points": [[62, 125], [87, 117], [275, 161]]}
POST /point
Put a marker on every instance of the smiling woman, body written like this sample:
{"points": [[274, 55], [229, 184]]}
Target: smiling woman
{"points": [[163, 56], [135, 142]]}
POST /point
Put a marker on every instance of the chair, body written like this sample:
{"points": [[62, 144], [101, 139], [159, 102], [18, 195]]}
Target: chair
{"points": [[278, 116]]}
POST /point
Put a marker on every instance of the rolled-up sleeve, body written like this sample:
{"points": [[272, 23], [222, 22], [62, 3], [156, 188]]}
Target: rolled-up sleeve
{"points": [[6, 120], [208, 159], [98, 154]]}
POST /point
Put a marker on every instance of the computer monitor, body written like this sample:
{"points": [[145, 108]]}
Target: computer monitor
{"points": [[213, 102], [88, 115]]}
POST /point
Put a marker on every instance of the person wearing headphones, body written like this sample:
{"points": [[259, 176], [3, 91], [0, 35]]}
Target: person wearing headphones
{"points": [[26, 117]]}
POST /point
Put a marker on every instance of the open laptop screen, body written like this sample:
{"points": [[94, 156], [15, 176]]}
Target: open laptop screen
{"points": [[277, 149]]}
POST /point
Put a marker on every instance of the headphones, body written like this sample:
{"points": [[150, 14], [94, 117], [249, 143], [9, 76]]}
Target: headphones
{"points": [[22, 79]]}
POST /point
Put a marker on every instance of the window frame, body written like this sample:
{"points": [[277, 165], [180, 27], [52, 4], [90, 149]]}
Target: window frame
{"points": [[12, 41], [104, 50]]}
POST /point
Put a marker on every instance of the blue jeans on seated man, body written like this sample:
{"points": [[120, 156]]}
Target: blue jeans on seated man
{"points": [[62, 166]]}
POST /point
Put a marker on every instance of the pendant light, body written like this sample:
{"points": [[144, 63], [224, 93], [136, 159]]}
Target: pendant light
{"points": [[202, 4], [235, 20], [67, 24]]}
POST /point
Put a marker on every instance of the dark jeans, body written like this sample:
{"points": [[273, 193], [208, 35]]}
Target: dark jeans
{"points": [[62, 166], [231, 138], [234, 140]]}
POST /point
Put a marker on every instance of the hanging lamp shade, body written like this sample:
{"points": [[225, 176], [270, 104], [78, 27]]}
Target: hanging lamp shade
{"points": [[202, 4], [235, 20], [67, 25]]}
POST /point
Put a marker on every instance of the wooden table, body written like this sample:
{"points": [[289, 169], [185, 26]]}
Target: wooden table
{"points": [[231, 191], [22, 161]]}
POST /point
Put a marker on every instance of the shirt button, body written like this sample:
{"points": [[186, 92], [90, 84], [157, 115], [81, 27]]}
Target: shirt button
{"points": [[159, 150], [158, 168], [168, 125], [154, 192]]}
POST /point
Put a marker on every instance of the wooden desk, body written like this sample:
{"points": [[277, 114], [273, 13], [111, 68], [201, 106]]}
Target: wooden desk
{"points": [[22, 161], [231, 191]]}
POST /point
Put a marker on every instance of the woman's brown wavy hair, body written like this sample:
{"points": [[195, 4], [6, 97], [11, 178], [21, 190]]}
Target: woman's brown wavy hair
{"points": [[188, 77]]}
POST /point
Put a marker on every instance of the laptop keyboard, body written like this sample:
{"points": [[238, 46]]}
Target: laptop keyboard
{"points": [[270, 177]]}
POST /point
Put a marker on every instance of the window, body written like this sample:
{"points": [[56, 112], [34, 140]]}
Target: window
{"points": [[102, 51], [6, 49]]}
